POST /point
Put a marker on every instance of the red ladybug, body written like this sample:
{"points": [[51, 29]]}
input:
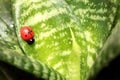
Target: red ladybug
{"points": [[27, 34]]}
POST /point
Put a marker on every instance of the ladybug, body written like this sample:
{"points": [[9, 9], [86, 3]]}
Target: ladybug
{"points": [[27, 34]]}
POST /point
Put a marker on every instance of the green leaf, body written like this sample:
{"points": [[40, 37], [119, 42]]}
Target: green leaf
{"points": [[97, 19], [17, 64], [68, 36], [109, 52], [7, 33], [13, 63], [59, 39]]}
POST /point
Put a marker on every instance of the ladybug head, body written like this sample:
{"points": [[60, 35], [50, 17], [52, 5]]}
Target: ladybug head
{"points": [[31, 41]]}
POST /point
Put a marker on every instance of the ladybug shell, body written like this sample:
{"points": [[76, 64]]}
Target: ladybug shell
{"points": [[26, 33]]}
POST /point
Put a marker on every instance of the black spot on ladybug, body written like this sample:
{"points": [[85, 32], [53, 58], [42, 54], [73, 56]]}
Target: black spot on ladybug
{"points": [[29, 32]]}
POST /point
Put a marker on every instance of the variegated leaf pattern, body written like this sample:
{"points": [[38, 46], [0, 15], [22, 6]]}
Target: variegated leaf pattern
{"points": [[110, 51], [96, 18], [68, 36], [59, 39], [64, 29], [12, 55]]}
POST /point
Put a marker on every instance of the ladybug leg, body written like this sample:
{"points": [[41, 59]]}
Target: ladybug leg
{"points": [[31, 41]]}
